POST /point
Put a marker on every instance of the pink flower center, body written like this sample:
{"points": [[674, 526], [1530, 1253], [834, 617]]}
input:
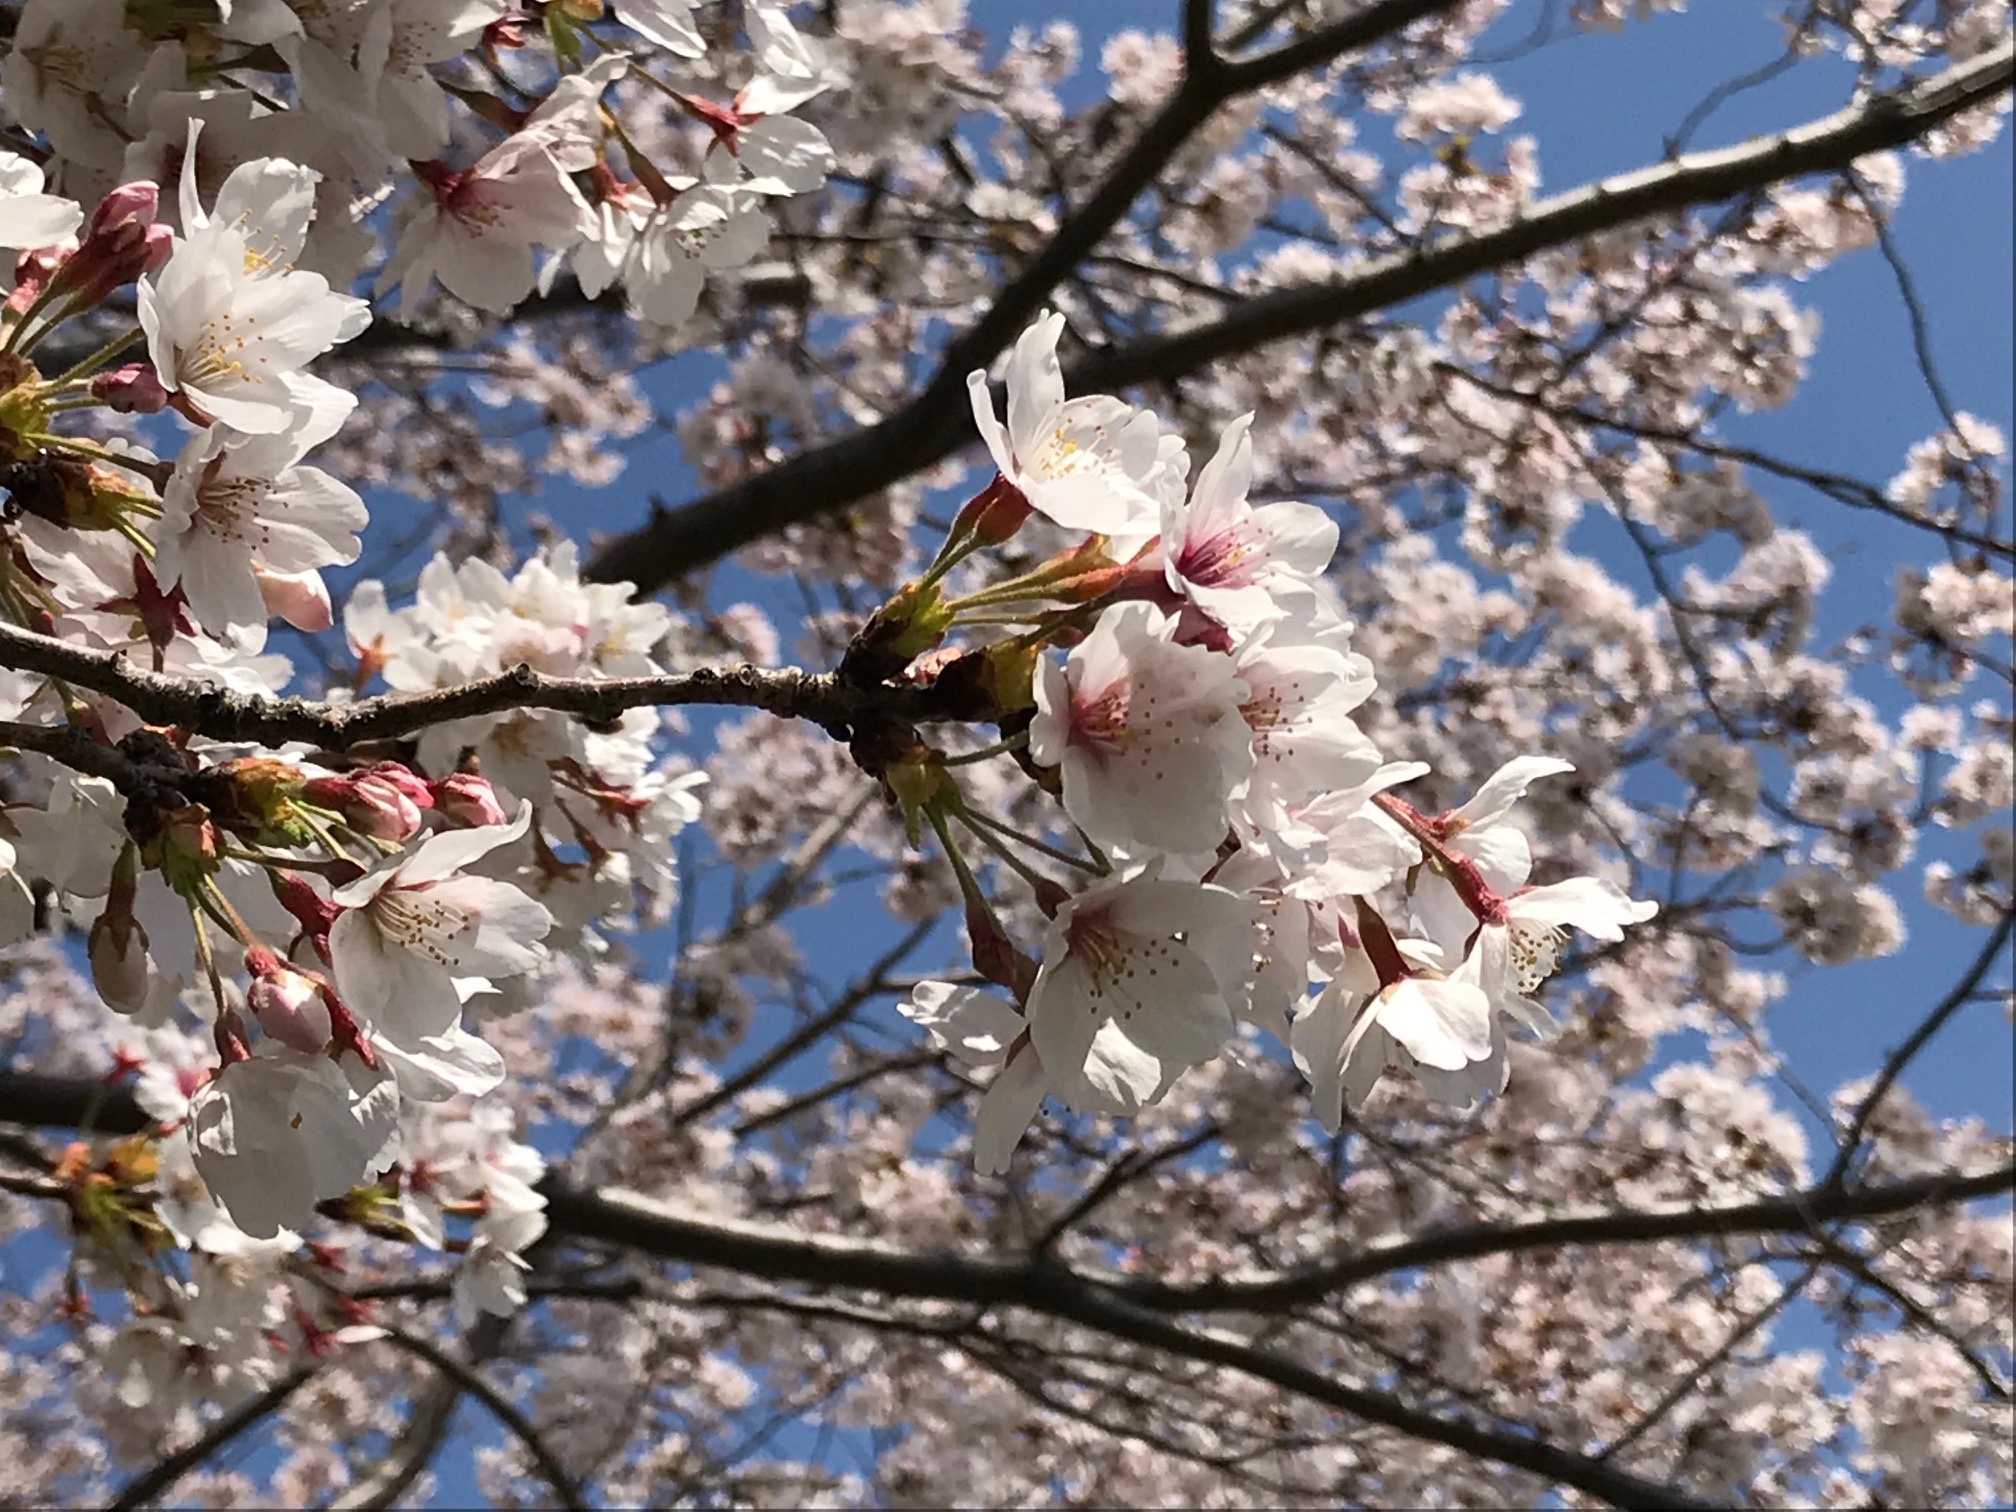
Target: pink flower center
{"points": [[1233, 558], [1103, 721]]}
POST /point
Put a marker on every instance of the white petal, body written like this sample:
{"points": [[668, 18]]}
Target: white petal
{"points": [[1005, 1110], [1507, 785]]}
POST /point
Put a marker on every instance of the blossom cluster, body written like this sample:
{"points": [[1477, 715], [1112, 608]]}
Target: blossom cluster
{"points": [[201, 191], [367, 96], [1241, 839]]}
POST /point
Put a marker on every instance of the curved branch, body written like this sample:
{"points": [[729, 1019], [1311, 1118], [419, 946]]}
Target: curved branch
{"points": [[1904, 1054], [221, 714], [934, 424], [248, 1414], [522, 1428], [1795, 1212], [631, 1220]]}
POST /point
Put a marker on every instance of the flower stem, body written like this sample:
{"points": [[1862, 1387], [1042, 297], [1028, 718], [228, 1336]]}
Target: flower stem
{"points": [[105, 353], [973, 818]]}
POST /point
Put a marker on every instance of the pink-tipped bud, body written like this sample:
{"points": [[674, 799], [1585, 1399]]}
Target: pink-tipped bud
{"points": [[135, 204], [368, 803], [130, 390], [299, 598], [404, 778], [468, 799], [287, 1004], [104, 263], [122, 242], [994, 514]]}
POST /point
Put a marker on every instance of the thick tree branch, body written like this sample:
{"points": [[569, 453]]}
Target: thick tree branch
{"points": [[630, 1220], [204, 708], [1794, 1212], [935, 424]]}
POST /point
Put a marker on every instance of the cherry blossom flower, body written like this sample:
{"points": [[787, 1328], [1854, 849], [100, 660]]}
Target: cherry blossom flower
{"points": [[275, 1134], [1300, 691], [234, 336], [1148, 733], [1092, 463], [1439, 1029], [492, 1275], [669, 23], [1482, 832], [413, 926], [474, 228], [67, 70], [1239, 564], [676, 247], [237, 507], [1139, 982], [1518, 943]]}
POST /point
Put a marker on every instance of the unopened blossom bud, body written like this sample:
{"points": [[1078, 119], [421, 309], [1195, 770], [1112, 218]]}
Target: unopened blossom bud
{"points": [[404, 778], [299, 598], [468, 799], [122, 242], [994, 514], [128, 204], [369, 803], [287, 1004], [130, 390]]}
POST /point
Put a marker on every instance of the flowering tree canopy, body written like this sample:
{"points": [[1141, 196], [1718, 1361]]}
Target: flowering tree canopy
{"points": [[1161, 889]]}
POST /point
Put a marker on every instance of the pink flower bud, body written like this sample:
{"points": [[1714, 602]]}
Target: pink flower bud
{"points": [[404, 778], [111, 261], [369, 804], [994, 514], [131, 390], [136, 202], [468, 799], [289, 1007], [299, 598]]}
